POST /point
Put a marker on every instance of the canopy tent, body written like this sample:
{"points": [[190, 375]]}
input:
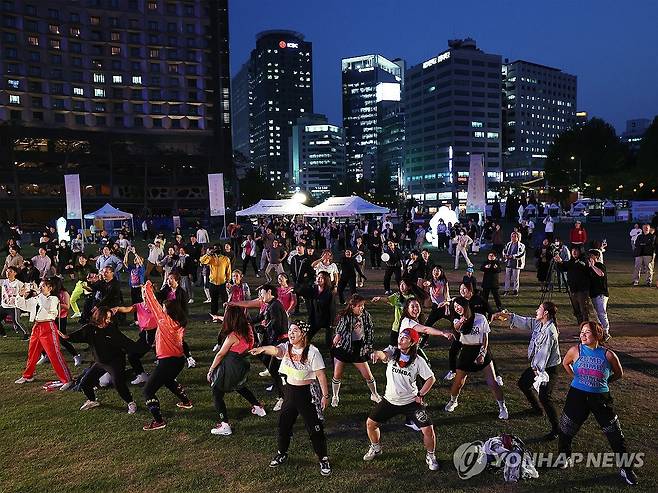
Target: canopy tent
{"points": [[109, 213], [345, 207], [284, 207]]}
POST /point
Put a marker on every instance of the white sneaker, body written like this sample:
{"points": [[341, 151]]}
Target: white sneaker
{"points": [[499, 380], [374, 450], [334, 401], [412, 425], [141, 378], [43, 359], [132, 407], [89, 405], [376, 398], [190, 301], [222, 429], [258, 411], [215, 348], [451, 406], [278, 405], [450, 375], [105, 380], [76, 315], [67, 385], [191, 363], [77, 360], [432, 463], [264, 373], [23, 380], [207, 301], [269, 388], [503, 414]]}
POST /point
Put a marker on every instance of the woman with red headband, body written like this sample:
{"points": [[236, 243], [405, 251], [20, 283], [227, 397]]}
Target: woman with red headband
{"points": [[402, 395]]}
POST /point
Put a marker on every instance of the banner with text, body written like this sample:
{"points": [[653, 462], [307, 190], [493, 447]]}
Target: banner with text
{"points": [[216, 194], [476, 198], [73, 199]]}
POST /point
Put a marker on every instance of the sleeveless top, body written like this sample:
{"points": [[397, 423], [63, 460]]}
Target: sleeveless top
{"points": [[243, 345], [591, 370]]}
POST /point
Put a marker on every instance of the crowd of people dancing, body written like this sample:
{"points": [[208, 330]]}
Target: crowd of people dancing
{"points": [[301, 307]]}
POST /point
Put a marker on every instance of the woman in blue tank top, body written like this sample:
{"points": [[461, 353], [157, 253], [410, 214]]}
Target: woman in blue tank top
{"points": [[593, 367]]}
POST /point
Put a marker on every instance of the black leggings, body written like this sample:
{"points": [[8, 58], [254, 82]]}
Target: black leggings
{"points": [[135, 297], [496, 296], [116, 369], [15, 320], [298, 400], [545, 394], [217, 293], [273, 364], [343, 282], [164, 373], [245, 264], [576, 411], [146, 341], [391, 271], [220, 405], [375, 259], [453, 354]]}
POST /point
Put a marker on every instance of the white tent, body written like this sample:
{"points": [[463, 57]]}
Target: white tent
{"points": [[110, 213], [345, 207], [284, 207]]}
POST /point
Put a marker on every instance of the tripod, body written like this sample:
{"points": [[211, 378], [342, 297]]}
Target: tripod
{"points": [[548, 286]]}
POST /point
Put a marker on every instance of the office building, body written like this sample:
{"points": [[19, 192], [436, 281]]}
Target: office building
{"points": [[539, 103], [635, 130], [241, 94], [132, 95], [452, 109], [391, 144], [317, 155], [371, 85], [282, 92]]}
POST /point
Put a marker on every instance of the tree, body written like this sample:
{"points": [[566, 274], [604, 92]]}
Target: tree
{"points": [[588, 154], [647, 157], [256, 186]]}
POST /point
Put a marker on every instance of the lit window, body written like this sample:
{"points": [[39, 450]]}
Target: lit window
{"points": [[476, 124], [14, 99], [95, 21], [117, 79], [33, 40], [116, 50], [99, 93], [154, 53], [54, 44], [137, 79], [115, 36], [99, 78], [78, 91], [13, 83], [75, 32], [152, 5], [53, 28]]}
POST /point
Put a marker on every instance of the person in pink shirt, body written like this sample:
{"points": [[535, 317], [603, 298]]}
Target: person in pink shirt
{"points": [[286, 294]]}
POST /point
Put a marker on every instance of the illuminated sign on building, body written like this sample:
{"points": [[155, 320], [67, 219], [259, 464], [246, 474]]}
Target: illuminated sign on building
{"points": [[284, 44], [438, 59]]}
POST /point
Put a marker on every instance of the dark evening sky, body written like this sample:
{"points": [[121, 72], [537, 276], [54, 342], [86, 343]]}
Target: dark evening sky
{"points": [[611, 45]]}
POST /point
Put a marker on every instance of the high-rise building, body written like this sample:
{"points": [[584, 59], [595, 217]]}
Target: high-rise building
{"points": [[391, 144], [132, 95], [317, 155], [539, 103], [241, 94], [371, 84], [282, 92], [453, 109], [581, 118], [635, 130]]}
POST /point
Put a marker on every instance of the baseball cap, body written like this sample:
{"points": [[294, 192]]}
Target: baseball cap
{"points": [[469, 269], [412, 334]]}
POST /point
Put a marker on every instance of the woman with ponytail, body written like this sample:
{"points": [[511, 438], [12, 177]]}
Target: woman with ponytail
{"points": [[544, 358]]}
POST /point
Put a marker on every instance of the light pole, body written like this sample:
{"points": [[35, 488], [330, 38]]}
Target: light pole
{"points": [[580, 172]]}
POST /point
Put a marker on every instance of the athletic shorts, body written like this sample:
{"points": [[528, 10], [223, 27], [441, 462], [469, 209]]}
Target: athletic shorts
{"points": [[384, 411]]}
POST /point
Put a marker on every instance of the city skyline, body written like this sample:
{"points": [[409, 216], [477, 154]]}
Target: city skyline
{"points": [[582, 39]]}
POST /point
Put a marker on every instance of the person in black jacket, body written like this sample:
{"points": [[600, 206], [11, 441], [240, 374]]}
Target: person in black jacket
{"points": [[578, 280], [644, 250], [393, 265], [349, 268], [491, 280], [105, 293], [108, 347], [302, 274]]}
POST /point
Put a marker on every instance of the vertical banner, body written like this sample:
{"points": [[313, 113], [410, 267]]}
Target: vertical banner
{"points": [[216, 194], [73, 199], [476, 198]]}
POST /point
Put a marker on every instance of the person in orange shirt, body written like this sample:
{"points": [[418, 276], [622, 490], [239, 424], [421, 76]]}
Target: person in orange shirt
{"points": [[169, 351]]}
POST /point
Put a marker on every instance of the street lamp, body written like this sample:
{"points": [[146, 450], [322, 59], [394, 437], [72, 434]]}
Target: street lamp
{"points": [[299, 197], [580, 171]]}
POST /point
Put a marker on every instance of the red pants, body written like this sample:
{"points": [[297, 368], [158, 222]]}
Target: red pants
{"points": [[45, 338]]}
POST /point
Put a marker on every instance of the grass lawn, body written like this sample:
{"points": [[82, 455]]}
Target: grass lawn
{"points": [[47, 444]]}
